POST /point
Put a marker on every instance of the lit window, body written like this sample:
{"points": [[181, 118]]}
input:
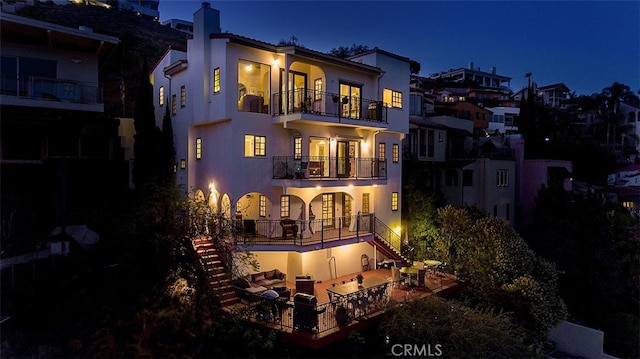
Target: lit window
{"points": [[382, 148], [284, 206], [297, 148], [392, 98], [253, 90], [174, 105], [183, 96], [394, 201], [198, 148], [365, 203], [161, 96], [183, 164], [263, 206], [396, 153], [255, 146], [502, 178], [175, 167], [317, 89], [216, 80]]}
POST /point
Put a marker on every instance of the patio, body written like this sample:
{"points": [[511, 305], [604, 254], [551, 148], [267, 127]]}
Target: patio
{"points": [[322, 323]]}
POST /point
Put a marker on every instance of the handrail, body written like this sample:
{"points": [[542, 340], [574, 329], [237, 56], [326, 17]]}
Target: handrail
{"points": [[63, 90], [325, 167], [389, 237], [329, 104]]}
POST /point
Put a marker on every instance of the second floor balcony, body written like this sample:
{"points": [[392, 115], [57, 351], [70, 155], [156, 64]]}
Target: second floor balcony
{"points": [[331, 105], [328, 168], [51, 90]]}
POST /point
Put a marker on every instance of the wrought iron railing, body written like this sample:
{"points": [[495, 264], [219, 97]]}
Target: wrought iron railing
{"points": [[390, 238], [329, 104], [322, 317], [302, 233], [324, 167], [51, 89]]}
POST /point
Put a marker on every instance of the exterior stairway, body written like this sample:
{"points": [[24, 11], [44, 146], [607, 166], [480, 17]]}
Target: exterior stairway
{"points": [[216, 270], [388, 242]]}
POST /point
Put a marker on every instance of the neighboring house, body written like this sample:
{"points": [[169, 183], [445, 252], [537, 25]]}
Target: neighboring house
{"points": [[468, 111], [503, 120], [468, 168], [59, 154], [625, 184], [631, 140], [302, 149], [534, 174], [555, 95], [182, 25], [474, 74]]}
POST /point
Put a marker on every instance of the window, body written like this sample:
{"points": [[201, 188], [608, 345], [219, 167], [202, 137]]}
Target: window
{"points": [[392, 98], [175, 168], [328, 209], [174, 105], [395, 156], [502, 178], [451, 178], [297, 148], [440, 136], [216, 80], [415, 105], [253, 86], [467, 177], [382, 148], [255, 146], [317, 89], [284, 206], [351, 95], [183, 96], [365, 203], [495, 210], [198, 148], [394, 201], [183, 164], [262, 206], [430, 143], [161, 96]]}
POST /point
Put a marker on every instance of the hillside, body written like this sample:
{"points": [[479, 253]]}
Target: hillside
{"points": [[140, 39]]}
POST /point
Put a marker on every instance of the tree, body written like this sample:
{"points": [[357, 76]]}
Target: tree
{"points": [[499, 265], [452, 330], [611, 97], [146, 145], [344, 52], [167, 148]]}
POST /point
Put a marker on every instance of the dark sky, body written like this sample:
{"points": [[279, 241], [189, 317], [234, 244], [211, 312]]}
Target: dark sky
{"points": [[585, 44]]}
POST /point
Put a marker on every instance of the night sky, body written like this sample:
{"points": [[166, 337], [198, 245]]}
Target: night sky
{"points": [[585, 44]]}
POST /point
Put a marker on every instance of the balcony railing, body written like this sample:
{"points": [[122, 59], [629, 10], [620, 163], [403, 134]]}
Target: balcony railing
{"points": [[329, 104], [322, 167], [51, 89], [303, 233]]}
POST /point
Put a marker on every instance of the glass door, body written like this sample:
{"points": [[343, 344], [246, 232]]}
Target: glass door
{"points": [[350, 100], [328, 209], [342, 163], [346, 209], [297, 91]]}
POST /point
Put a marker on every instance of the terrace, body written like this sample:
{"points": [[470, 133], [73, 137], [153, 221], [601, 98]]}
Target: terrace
{"points": [[338, 306]]}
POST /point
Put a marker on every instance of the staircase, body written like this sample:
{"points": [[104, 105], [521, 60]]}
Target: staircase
{"points": [[388, 242], [216, 270]]}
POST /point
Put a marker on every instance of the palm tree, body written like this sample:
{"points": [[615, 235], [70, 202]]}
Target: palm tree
{"points": [[612, 96]]}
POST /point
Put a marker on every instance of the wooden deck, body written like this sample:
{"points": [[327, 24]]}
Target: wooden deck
{"points": [[327, 330]]}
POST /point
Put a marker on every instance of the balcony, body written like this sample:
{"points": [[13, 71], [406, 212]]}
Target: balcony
{"points": [[326, 104], [300, 235], [328, 168], [55, 91]]}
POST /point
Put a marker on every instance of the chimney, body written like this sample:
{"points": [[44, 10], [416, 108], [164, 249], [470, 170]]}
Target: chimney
{"points": [[470, 65], [206, 21]]}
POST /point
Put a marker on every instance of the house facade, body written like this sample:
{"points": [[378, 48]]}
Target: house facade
{"points": [[300, 148], [56, 145]]}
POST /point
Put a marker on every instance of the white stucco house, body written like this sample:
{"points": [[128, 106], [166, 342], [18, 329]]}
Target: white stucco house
{"points": [[300, 147]]}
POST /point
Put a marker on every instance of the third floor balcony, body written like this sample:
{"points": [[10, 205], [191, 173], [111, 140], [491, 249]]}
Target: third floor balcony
{"points": [[300, 105], [328, 168]]}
